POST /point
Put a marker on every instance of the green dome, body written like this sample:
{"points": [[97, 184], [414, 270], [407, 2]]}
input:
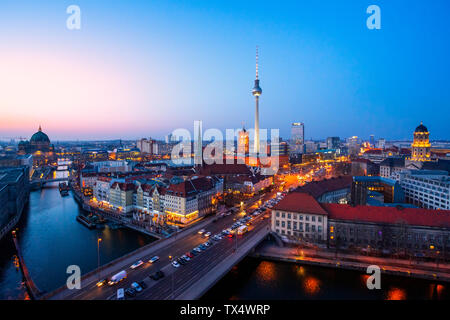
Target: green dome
{"points": [[39, 137]]}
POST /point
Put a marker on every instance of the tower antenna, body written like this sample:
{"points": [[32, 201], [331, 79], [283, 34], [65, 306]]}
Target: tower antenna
{"points": [[257, 73]]}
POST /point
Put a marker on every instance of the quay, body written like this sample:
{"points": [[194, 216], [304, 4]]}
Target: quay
{"points": [[325, 258]]}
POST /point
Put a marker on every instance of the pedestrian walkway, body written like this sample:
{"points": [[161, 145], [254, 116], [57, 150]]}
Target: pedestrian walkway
{"points": [[328, 258]]}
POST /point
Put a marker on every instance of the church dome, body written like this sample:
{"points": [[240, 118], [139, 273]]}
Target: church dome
{"points": [[39, 137], [421, 128]]}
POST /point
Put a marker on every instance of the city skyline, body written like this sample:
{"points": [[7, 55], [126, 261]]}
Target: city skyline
{"points": [[320, 64]]}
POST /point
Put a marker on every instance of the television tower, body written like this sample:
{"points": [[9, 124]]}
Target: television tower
{"points": [[256, 92]]}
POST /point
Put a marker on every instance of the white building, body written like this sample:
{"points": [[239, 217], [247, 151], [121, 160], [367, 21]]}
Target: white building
{"points": [[300, 218], [428, 189], [147, 146]]}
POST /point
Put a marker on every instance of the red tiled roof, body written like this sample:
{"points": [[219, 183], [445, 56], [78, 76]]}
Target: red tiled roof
{"points": [[318, 188], [374, 151], [123, 186], [391, 215], [225, 169], [191, 187], [299, 202]]}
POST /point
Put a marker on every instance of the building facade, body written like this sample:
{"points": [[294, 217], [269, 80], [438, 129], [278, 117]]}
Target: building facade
{"points": [[301, 223], [426, 188]]}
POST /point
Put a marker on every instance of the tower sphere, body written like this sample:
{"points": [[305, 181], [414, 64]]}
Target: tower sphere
{"points": [[256, 91]]}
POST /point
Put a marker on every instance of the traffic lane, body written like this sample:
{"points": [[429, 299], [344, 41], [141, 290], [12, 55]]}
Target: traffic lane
{"points": [[188, 273], [189, 241], [178, 248], [195, 269]]}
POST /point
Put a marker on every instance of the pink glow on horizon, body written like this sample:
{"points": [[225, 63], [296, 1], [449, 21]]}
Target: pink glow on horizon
{"points": [[69, 96]]}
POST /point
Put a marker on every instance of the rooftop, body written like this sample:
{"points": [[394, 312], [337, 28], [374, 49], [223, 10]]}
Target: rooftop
{"points": [[390, 215], [299, 202], [318, 188]]}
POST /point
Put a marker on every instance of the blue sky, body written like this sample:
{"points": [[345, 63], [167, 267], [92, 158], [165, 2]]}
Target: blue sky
{"points": [[173, 62]]}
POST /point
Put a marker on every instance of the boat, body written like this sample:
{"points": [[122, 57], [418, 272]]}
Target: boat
{"points": [[86, 222], [64, 189]]}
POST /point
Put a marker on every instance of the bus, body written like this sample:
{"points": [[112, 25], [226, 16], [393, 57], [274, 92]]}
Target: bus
{"points": [[242, 229]]}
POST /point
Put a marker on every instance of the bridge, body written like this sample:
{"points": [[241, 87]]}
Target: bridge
{"points": [[188, 281], [38, 183], [32, 289]]}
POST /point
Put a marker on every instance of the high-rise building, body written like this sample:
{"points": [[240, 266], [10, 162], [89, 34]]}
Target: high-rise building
{"points": [[333, 142], [382, 143], [256, 91], [372, 140], [297, 137], [243, 142], [147, 146], [198, 143]]}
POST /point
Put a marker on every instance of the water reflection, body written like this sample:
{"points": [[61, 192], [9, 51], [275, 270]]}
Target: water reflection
{"points": [[396, 294], [311, 286], [255, 279], [266, 271]]}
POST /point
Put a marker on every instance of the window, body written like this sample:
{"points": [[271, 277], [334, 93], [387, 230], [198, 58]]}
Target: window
{"points": [[277, 214], [313, 218], [319, 219]]}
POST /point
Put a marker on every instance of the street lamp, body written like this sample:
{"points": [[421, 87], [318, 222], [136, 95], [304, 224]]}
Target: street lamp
{"points": [[98, 256]]}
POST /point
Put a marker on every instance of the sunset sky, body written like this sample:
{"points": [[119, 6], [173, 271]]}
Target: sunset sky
{"points": [[154, 66]]}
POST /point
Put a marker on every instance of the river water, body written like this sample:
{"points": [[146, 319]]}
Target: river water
{"points": [[51, 239], [267, 280]]}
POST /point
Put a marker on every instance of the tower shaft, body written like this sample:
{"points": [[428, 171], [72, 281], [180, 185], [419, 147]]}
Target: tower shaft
{"points": [[256, 144]]}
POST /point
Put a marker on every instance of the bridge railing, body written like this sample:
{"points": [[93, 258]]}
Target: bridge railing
{"points": [[127, 256]]}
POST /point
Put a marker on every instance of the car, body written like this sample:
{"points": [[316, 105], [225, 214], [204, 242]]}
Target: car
{"points": [[136, 287], [186, 258], [181, 261], [202, 247], [194, 252], [154, 259], [130, 292], [230, 235], [206, 244], [190, 255], [157, 275], [137, 264], [142, 284], [175, 264], [209, 243], [198, 250], [101, 283], [202, 231], [120, 294], [207, 234]]}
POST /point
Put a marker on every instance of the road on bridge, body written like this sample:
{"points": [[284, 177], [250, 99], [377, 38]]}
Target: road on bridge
{"points": [[177, 278]]}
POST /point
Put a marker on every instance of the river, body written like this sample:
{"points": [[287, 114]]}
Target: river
{"points": [[51, 239]]}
